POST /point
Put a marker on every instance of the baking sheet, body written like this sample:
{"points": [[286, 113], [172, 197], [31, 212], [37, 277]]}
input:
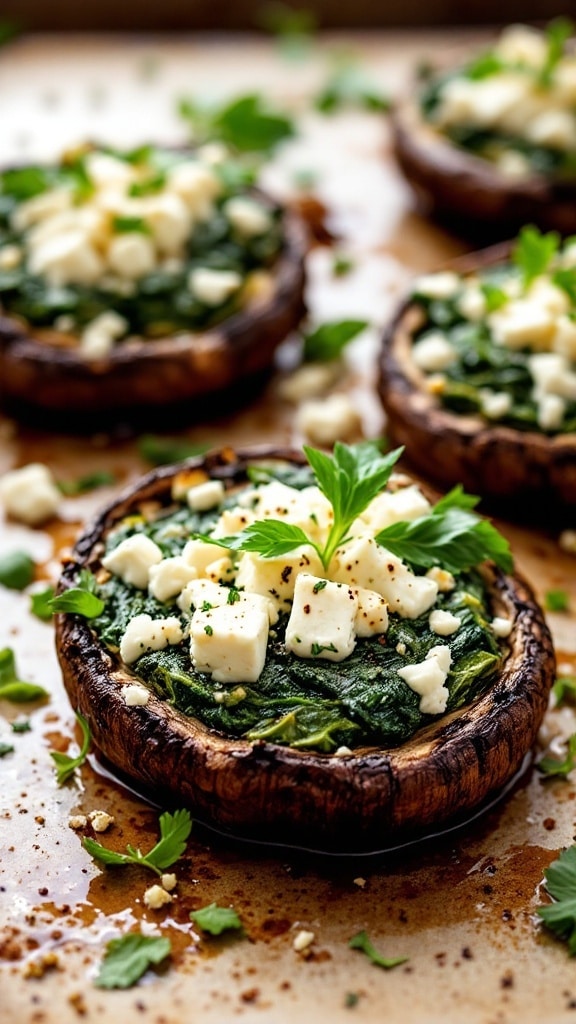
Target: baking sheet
{"points": [[461, 908]]}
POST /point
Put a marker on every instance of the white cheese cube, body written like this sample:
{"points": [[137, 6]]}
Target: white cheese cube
{"points": [[325, 421], [248, 217], [98, 337], [200, 554], [309, 381], [222, 570], [443, 623], [434, 352], [495, 404], [135, 695], [501, 626], [30, 494], [232, 520], [275, 578], [169, 577], [564, 340], [388, 508], [551, 410], [372, 615], [552, 375], [10, 257], [481, 103], [520, 44], [361, 562], [205, 496], [321, 623], [565, 82], [554, 128], [105, 169], [198, 594], [143, 634], [156, 897], [309, 508], [229, 641], [443, 579], [437, 286], [472, 303], [170, 222], [196, 184], [100, 820], [428, 678], [132, 559], [131, 255], [523, 324], [213, 287], [44, 205], [512, 164], [548, 295], [67, 259]]}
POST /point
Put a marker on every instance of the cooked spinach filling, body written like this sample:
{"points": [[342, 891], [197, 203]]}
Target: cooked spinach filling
{"points": [[156, 303], [304, 703]]}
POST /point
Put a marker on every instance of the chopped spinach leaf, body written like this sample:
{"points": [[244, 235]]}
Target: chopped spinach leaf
{"points": [[16, 570]]}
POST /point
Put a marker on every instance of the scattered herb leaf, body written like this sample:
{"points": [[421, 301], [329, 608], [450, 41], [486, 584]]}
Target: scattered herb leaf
{"points": [[174, 831], [558, 33], [551, 766], [533, 252], [6, 748], [328, 340], [342, 265], [128, 957], [560, 917], [161, 451], [215, 920], [80, 600], [125, 225], [247, 123], [557, 601], [66, 765], [41, 603], [351, 1000], [21, 725], [349, 85], [86, 483], [495, 297], [362, 942], [16, 570], [12, 688], [564, 690]]}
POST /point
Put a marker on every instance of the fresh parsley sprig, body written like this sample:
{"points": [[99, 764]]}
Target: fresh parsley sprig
{"points": [[127, 958], [560, 917], [66, 765], [174, 831], [451, 536]]}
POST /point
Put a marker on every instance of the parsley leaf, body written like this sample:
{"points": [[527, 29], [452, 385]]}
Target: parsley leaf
{"points": [[125, 225], [174, 831], [362, 942], [451, 536], [495, 297], [21, 725], [16, 570], [80, 600], [11, 687], [161, 451], [247, 123], [485, 65], [558, 33], [564, 690], [128, 957], [271, 538], [533, 252], [5, 748], [560, 917], [557, 601], [41, 603], [86, 483], [328, 340], [349, 85], [565, 278], [66, 765], [551, 766], [215, 920]]}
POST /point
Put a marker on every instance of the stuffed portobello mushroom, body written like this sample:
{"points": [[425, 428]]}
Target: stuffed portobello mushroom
{"points": [[478, 372], [305, 652], [491, 144], [138, 279]]}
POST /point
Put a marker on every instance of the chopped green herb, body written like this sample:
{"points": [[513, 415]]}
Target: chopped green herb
{"points": [[349, 85], [89, 482], [208, 630], [564, 690], [6, 748], [233, 595], [551, 766], [41, 603], [495, 297], [21, 725], [206, 606], [215, 920], [560, 917], [66, 765], [342, 265], [319, 586], [557, 601], [328, 340], [558, 33], [565, 278], [161, 451], [317, 649], [247, 123], [362, 942], [174, 831], [16, 570], [128, 957], [12, 688], [124, 225], [484, 66], [351, 1000], [533, 252]]}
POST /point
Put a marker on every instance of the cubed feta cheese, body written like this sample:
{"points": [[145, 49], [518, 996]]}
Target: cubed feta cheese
{"points": [[170, 222], [550, 412], [205, 496], [169, 882], [553, 128], [132, 559], [443, 623], [205, 594], [157, 897], [564, 340], [472, 303], [131, 255], [388, 508], [44, 205], [213, 287], [495, 404], [197, 185], [325, 421], [372, 615], [248, 217], [443, 579], [169, 577], [229, 641], [428, 678], [143, 634], [67, 259], [275, 578], [100, 820], [10, 257], [437, 286], [135, 695], [361, 562], [201, 554], [501, 626], [321, 623], [30, 494], [303, 940], [98, 337], [520, 44], [105, 169], [523, 323], [309, 381], [434, 352]]}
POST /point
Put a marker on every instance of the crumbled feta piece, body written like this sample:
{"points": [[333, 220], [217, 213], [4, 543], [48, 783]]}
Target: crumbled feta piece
{"points": [[327, 420], [197, 185], [248, 217], [66, 259], [40, 207], [567, 541], [372, 615], [342, 751], [156, 897], [204, 592], [169, 882], [564, 341], [105, 169], [275, 578], [98, 337], [437, 286], [303, 940], [520, 44], [30, 494], [360, 882], [132, 559], [221, 570], [100, 820], [169, 577], [135, 695], [321, 623], [550, 412], [205, 496], [443, 623], [131, 255], [502, 627], [523, 323], [553, 128], [472, 304], [169, 220], [229, 641], [388, 508], [428, 679], [77, 821], [401, 648], [361, 562], [309, 381], [511, 164], [552, 375], [213, 287], [10, 257], [143, 633], [433, 352], [495, 404], [200, 554]]}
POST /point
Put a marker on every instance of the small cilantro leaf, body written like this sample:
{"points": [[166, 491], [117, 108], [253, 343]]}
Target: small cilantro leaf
{"points": [[362, 942], [560, 917], [557, 601], [495, 297], [215, 920], [80, 600], [484, 66], [328, 340], [16, 570], [66, 765], [11, 687], [246, 123], [533, 252], [161, 451], [551, 766], [5, 748], [128, 957], [90, 482], [41, 603], [174, 832], [565, 278], [21, 725]]}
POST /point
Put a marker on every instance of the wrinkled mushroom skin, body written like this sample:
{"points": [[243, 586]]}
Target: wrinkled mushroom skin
{"points": [[157, 372], [490, 459], [362, 801], [470, 191]]}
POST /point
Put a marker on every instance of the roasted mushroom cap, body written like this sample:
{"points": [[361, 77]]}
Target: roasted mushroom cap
{"points": [[471, 193], [171, 371], [363, 801], [489, 459]]}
